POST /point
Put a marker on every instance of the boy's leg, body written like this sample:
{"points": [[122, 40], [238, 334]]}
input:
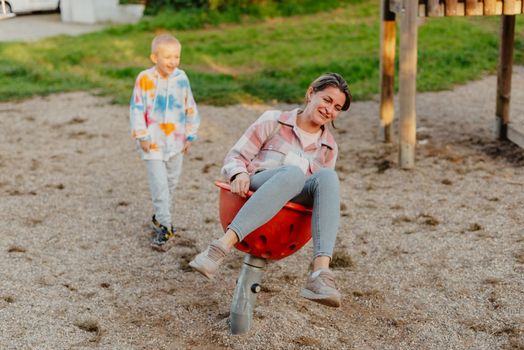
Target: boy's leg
{"points": [[174, 169], [158, 186]]}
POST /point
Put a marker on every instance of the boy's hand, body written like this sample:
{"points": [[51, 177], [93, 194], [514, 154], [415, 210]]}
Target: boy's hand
{"points": [[187, 146], [240, 185], [145, 145]]}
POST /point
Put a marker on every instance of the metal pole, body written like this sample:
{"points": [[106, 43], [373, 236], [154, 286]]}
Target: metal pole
{"points": [[244, 299]]}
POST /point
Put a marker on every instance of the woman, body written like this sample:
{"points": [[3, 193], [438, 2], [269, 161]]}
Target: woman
{"points": [[289, 156]]}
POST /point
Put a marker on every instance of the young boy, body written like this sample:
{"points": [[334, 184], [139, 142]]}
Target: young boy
{"points": [[164, 122]]}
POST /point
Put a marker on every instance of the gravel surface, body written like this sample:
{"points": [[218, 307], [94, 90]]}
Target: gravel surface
{"points": [[431, 258]]}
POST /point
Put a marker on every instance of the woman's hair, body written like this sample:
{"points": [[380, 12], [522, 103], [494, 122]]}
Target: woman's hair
{"points": [[334, 80]]}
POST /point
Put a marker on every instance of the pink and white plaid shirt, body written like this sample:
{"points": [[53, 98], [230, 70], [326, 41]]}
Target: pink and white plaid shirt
{"points": [[254, 152]]}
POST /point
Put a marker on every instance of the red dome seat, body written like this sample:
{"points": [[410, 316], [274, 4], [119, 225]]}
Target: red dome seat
{"points": [[283, 235]]}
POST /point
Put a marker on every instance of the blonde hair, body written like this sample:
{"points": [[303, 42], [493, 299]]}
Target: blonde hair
{"points": [[163, 39]]}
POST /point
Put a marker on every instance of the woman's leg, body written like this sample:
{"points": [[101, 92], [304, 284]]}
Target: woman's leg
{"points": [[322, 192], [273, 189]]}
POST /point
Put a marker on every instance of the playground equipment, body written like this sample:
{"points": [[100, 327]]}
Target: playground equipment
{"points": [[283, 235], [407, 10]]}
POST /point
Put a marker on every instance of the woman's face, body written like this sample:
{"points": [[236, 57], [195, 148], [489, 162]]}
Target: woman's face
{"points": [[325, 105]]}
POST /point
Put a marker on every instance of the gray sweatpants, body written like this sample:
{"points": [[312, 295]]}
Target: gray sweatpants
{"points": [[163, 178]]}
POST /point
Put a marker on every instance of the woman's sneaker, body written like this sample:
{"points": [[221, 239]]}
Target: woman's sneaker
{"points": [[321, 288], [208, 262], [162, 235]]}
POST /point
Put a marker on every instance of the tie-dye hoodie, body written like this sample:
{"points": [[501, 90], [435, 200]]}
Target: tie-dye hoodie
{"points": [[164, 111]]}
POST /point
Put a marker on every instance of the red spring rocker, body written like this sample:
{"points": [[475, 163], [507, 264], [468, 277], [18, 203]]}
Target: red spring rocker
{"points": [[287, 232]]}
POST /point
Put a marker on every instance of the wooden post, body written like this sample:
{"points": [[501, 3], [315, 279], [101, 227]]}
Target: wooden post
{"points": [[507, 34], [387, 70], [451, 7], [471, 7], [490, 7], [508, 7], [408, 83], [433, 8]]}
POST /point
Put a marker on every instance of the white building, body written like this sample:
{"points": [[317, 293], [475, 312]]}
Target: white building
{"points": [[99, 11]]}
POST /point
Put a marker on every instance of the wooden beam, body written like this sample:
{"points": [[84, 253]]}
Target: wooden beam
{"points": [[509, 7], [461, 9], [395, 6], [505, 64], [499, 8], [516, 135], [387, 70], [433, 8], [490, 7], [407, 83], [422, 10], [471, 7], [438, 11], [480, 9], [451, 7]]}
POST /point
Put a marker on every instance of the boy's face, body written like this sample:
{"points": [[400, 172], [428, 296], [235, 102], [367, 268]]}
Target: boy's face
{"points": [[167, 58]]}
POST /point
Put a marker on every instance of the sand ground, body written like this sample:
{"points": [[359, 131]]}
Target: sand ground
{"points": [[431, 258]]}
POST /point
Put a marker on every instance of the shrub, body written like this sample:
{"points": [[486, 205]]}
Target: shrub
{"points": [[257, 8]]}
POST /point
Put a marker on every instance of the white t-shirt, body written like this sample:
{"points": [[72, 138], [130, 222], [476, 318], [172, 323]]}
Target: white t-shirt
{"points": [[308, 138]]}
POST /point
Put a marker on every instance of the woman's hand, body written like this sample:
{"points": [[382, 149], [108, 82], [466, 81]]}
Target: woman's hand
{"points": [[240, 185]]}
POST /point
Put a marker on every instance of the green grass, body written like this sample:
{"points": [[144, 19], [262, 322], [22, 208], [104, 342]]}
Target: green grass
{"points": [[258, 60]]}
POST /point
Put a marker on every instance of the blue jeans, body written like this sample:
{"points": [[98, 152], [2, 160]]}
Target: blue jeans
{"points": [[275, 187]]}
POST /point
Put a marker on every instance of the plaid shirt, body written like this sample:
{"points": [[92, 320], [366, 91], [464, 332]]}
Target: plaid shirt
{"points": [[254, 151]]}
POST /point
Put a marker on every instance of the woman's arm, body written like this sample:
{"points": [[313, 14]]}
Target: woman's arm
{"points": [[246, 149]]}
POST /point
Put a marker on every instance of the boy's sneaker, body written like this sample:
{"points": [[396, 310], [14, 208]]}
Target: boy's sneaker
{"points": [[208, 262], [157, 226], [322, 289], [162, 235]]}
